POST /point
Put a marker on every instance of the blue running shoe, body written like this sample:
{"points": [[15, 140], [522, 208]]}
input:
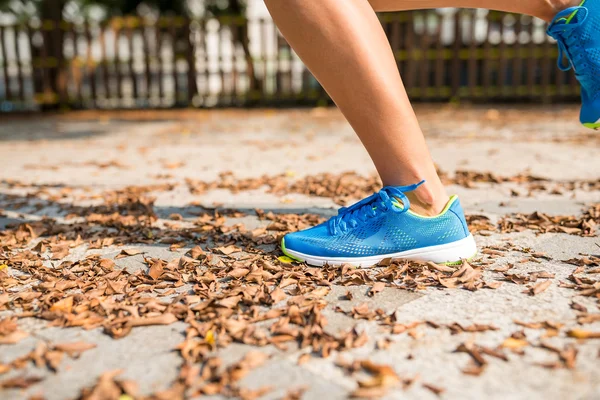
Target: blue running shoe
{"points": [[577, 31], [383, 226]]}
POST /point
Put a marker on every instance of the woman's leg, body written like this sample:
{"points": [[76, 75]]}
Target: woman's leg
{"points": [[345, 47], [544, 9]]}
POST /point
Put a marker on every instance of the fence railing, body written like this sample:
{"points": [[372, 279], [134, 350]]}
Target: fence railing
{"points": [[170, 62]]}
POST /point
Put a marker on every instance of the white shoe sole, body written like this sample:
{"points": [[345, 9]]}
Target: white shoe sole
{"points": [[449, 253]]}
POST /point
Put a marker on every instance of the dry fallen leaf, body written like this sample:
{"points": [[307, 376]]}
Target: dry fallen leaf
{"points": [[376, 288], [435, 389], [383, 375], [106, 387], [156, 269], [128, 253], [369, 392], [230, 302], [440, 268], [196, 253], [254, 359], [295, 394], [227, 250], [13, 337], [514, 344], [20, 382], [74, 349], [583, 334], [474, 368], [540, 287], [164, 319], [304, 358], [59, 252], [64, 305]]}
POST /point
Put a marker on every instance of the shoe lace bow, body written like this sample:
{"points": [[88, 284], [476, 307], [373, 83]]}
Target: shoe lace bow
{"points": [[379, 202], [567, 42]]}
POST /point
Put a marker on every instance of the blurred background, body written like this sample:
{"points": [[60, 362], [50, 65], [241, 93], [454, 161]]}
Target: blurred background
{"points": [[115, 54]]}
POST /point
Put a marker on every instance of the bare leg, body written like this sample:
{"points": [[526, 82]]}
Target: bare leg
{"points": [[544, 9], [345, 47]]}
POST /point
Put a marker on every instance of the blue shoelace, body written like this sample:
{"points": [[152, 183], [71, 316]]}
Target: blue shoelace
{"points": [[568, 44], [377, 203]]}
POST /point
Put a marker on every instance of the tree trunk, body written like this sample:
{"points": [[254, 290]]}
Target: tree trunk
{"points": [[190, 56], [51, 15], [241, 35]]}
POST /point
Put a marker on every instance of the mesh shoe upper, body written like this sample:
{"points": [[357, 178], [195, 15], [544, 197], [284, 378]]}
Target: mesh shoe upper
{"points": [[391, 231], [577, 31]]}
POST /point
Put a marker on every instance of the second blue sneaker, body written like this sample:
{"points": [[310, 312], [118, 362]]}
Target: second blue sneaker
{"points": [[577, 31], [383, 226]]}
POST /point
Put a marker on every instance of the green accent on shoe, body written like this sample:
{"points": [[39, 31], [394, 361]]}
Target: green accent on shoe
{"points": [[286, 252], [568, 20], [453, 198], [591, 125], [454, 263]]}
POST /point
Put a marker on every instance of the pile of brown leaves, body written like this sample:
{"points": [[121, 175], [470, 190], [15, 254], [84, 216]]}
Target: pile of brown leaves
{"points": [[346, 187], [342, 188], [531, 183], [584, 225], [232, 286]]}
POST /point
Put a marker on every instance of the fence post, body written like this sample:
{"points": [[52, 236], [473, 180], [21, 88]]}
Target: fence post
{"points": [[57, 70], [90, 65], [174, 42], [4, 55], [147, 70], [76, 67], [132, 23], [488, 65], [456, 61], [472, 63], [20, 80], [104, 61], [411, 63], [440, 62], [424, 47], [117, 62], [191, 62]]}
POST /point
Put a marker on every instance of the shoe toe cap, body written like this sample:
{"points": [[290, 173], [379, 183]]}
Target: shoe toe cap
{"points": [[590, 111], [310, 242]]}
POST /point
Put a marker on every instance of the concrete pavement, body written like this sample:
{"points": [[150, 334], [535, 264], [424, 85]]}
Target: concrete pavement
{"points": [[75, 159]]}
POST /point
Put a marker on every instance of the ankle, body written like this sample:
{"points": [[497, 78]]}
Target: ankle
{"points": [[428, 200]]}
